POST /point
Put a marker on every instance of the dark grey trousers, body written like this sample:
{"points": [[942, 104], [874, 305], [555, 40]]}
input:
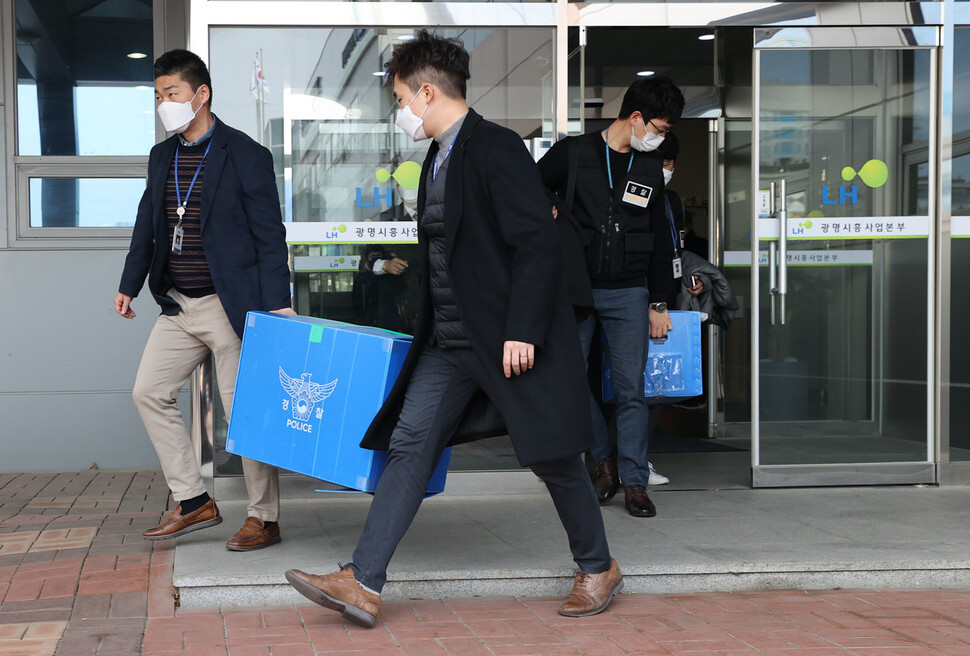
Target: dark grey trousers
{"points": [[443, 383]]}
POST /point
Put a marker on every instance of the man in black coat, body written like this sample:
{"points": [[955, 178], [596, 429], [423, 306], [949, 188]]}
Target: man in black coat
{"points": [[209, 236], [495, 318]]}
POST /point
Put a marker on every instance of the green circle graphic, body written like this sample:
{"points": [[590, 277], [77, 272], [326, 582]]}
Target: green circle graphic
{"points": [[874, 173]]}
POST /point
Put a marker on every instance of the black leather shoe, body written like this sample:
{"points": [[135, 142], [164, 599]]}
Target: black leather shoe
{"points": [[607, 482], [638, 503]]}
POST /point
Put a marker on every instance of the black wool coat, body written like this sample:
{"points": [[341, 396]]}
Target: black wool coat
{"points": [[504, 262]]}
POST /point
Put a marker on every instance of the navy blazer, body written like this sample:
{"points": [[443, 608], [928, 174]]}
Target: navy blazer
{"points": [[243, 237]]}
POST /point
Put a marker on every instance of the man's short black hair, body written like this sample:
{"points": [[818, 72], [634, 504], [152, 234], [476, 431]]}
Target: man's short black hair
{"points": [[186, 64], [430, 58], [670, 146], [654, 97]]}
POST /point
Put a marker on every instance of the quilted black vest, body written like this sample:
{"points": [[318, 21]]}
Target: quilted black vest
{"points": [[447, 330]]}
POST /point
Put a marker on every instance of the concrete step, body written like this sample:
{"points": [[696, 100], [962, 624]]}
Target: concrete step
{"points": [[462, 545]]}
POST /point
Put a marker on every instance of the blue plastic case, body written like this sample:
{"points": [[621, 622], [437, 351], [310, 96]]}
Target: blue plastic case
{"points": [[673, 369], [306, 391]]}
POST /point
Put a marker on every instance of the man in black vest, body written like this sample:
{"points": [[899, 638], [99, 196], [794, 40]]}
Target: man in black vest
{"points": [[495, 318], [613, 187]]}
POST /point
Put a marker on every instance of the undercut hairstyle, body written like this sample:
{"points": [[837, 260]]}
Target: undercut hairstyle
{"points": [[670, 147], [654, 97], [430, 58], [186, 64]]}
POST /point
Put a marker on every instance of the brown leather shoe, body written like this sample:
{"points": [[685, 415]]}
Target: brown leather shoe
{"points": [[178, 524], [592, 593], [638, 503], [254, 535], [339, 591], [607, 482]]}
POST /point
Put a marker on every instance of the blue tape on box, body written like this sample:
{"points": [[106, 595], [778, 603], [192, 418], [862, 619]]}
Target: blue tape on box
{"points": [[306, 391]]}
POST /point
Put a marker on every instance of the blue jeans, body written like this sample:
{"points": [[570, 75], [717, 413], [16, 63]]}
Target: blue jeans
{"points": [[624, 318]]}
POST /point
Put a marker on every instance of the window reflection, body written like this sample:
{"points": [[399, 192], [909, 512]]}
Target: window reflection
{"points": [[823, 117], [960, 250], [82, 87], [347, 175], [84, 202], [848, 131]]}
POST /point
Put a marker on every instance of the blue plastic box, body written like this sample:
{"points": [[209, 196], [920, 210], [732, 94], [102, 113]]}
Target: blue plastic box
{"points": [[306, 391], [673, 370]]}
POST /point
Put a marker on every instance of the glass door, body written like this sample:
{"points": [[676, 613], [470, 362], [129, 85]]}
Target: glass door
{"points": [[843, 151], [347, 177]]}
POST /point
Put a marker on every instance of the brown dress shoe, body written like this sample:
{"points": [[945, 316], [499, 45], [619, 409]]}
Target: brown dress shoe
{"points": [[592, 593], [254, 535], [607, 482], [178, 524], [638, 503], [339, 591]]}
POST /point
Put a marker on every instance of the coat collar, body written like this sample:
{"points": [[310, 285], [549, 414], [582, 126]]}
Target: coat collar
{"points": [[453, 184], [215, 163], [166, 151]]}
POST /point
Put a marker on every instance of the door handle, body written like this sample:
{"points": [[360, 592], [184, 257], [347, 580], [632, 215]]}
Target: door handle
{"points": [[772, 278], [778, 258], [782, 253], [772, 261]]}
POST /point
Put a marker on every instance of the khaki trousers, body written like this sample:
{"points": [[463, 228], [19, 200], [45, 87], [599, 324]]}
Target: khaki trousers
{"points": [[176, 346]]}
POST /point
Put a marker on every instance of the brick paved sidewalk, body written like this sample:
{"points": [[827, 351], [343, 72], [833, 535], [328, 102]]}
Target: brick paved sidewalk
{"points": [[77, 579]]}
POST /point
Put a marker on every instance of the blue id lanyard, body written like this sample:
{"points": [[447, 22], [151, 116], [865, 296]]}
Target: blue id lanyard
{"points": [[673, 227], [180, 210], [434, 163], [609, 169], [178, 233]]}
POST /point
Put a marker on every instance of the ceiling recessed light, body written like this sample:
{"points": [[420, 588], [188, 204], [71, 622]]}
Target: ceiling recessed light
{"points": [[406, 37], [645, 73], [379, 73], [136, 55], [706, 37]]}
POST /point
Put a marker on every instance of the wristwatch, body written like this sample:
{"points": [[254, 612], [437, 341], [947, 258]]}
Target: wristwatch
{"points": [[658, 307]]}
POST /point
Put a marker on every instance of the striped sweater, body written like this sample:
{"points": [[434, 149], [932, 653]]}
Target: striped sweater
{"points": [[188, 271]]}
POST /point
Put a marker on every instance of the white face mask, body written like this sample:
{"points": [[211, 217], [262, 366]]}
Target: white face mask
{"points": [[668, 174], [649, 142], [409, 196], [176, 116], [412, 125]]}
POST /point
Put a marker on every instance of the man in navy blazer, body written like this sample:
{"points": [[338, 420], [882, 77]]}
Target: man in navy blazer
{"points": [[209, 236]]}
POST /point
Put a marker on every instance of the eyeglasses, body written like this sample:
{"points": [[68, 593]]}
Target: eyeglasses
{"points": [[661, 131]]}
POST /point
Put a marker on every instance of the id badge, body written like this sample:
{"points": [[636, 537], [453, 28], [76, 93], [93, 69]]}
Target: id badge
{"points": [[177, 240], [637, 194], [678, 270]]}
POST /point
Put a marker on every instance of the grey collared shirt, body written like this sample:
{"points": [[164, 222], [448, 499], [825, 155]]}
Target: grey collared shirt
{"points": [[446, 139]]}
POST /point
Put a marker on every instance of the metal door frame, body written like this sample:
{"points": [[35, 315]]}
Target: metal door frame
{"points": [[843, 38]]}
